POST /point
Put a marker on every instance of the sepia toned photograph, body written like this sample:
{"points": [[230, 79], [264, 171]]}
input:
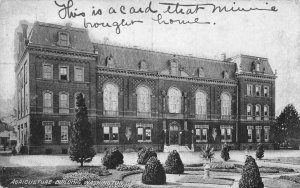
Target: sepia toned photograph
{"points": [[99, 93]]}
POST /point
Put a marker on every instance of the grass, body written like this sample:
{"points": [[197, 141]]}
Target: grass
{"points": [[294, 178], [285, 160], [197, 179]]}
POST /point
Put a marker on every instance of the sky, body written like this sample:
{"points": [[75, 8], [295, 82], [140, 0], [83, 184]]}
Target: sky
{"points": [[264, 33]]}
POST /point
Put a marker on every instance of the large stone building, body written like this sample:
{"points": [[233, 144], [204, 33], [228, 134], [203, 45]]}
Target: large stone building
{"points": [[137, 97]]}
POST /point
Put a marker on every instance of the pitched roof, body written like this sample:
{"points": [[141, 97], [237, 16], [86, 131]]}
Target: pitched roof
{"points": [[47, 34], [129, 58]]}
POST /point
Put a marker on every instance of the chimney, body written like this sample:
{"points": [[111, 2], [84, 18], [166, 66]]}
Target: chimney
{"points": [[24, 28], [223, 56]]}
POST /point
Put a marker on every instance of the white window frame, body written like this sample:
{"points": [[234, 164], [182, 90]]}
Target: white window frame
{"points": [[266, 91], [77, 70], [225, 106], [267, 133], [64, 131], [201, 104], [144, 128], [258, 109], [249, 89], [48, 135], [110, 99], [46, 108], [250, 133], [113, 128], [67, 72], [258, 90], [258, 133], [175, 100], [143, 101], [201, 133], [46, 73], [63, 109], [60, 40], [249, 110], [226, 131]]}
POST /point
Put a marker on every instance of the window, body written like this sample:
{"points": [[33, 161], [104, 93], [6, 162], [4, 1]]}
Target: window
{"points": [[79, 74], [63, 73], [249, 112], [249, 128], [258, 133], [258, 112], [266, 112], [267, 133], [47, 71], [226, 133], [144, 132], [201, 72], [225, 106], [47, 102], [201, 105], [249, 89], [174, 95], [64, 134], [143, 101], [63, 39], [63, 103], [266, 91], [174, 68], [110, 100], [257, 67], [201, 133], [48, 130], [258, 91], [110, 132]]}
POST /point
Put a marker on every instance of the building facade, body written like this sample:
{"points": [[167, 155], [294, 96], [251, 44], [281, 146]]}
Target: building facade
{"points": [[136, 97]]}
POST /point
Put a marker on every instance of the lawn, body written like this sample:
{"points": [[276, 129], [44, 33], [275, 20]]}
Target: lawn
{"points": [[286, 160]]}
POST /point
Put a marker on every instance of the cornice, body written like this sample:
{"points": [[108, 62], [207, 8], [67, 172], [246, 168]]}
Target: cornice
{"points": [[156, 75], [257, 76]]}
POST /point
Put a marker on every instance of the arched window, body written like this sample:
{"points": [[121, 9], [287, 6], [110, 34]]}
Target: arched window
{"points": [[47, 102], [200, 105], [143, 101], [266, 112], [225, 106], [258, 112], [249, 112], [174, 95], [63, 102], [110, 100]]}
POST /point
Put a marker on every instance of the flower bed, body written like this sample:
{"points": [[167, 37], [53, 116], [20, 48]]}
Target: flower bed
{"points": [[98, 170], [295, 178], [123, 167]]}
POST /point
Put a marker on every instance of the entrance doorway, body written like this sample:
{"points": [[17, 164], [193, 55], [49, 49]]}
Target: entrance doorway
{"points": [[174, 134]]}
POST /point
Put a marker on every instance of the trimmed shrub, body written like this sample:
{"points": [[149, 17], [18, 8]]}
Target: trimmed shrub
{"points": [[250, 175], [221, 165], [154, 173], [123, 167], [174, 164], [225, 153], [98, 170], [194, 165], [260, 151], [112, 158], [145, 154]]}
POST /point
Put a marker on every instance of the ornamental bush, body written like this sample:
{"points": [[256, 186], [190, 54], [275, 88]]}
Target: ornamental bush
{"points": [[225, 153], [112, 158], [260, 151], [145, 154], [123, 167], [154, 173], [250, 175], [174, 164]]}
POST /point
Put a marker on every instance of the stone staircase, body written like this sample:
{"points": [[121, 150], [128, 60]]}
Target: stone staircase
{"points": [[177, 148]]}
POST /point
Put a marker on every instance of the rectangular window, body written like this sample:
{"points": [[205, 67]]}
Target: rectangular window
{"points": [[249, 110], [140, 134], [115, 133], [106, 133], [267, 133], [64, 134], [249, 89], [266, 91], [258, 91], [147, 133], [223, 134], [48, 130], [226, 133], [63, 39], [201, 134], [79, 74], [249, 135], [47, 71], [229, 135], [63, 73], [258, 134]]}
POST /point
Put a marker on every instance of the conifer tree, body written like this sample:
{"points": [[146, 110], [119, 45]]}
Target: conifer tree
{"points": [[81, 145], [260, 151]]}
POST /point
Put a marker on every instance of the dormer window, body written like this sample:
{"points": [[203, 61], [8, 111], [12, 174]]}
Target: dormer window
{"points": [[174, 68], [143, 65], [257, 67], [63, 39], [201, 72], [225, 75], [110, 61]]}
